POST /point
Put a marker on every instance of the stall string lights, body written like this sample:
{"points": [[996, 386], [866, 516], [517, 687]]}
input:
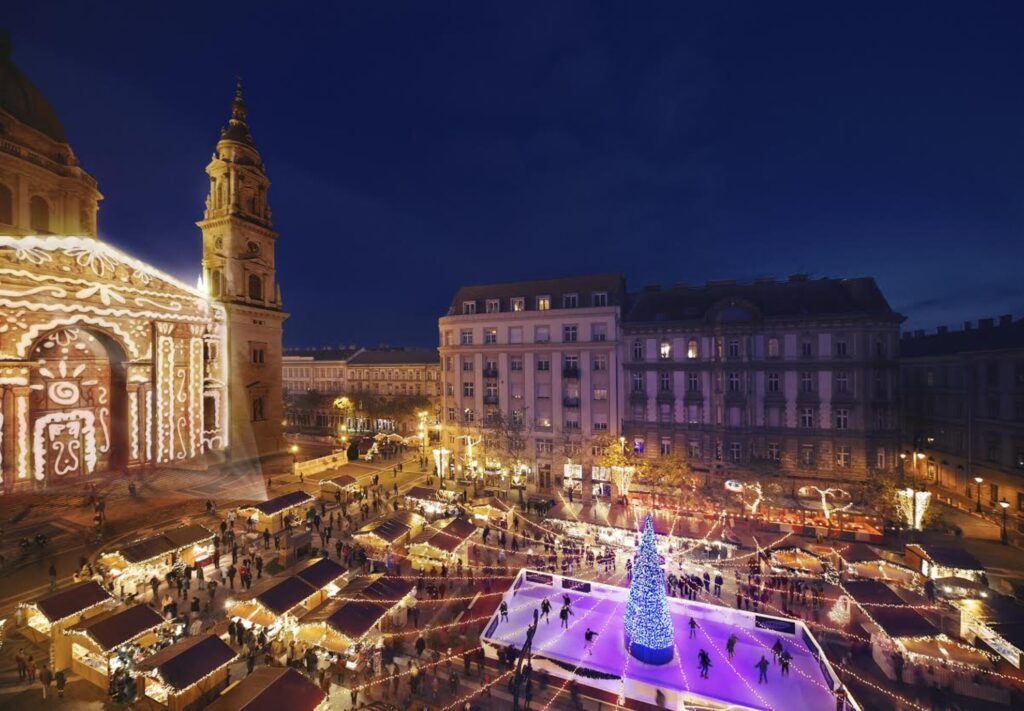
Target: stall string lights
{"points": [[907, 703]]}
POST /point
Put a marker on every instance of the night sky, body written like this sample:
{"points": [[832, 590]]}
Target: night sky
{"points": [[417, 147]]}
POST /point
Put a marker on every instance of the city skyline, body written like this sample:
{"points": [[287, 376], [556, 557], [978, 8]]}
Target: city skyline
{"points": [[566, 140]]}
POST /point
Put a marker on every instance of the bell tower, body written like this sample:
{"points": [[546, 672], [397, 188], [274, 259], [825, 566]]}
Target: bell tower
{"points": [[239, 272]]}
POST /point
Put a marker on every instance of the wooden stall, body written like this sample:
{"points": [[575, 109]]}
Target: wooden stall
{"points": [[131, 566], [273, 513], [102, 645], [429, 502], [940, 562], [274, 688], [339, 489], [395, 530], [446, 544], [187, 675], [491, 511], [47, 617], [324, 574]]}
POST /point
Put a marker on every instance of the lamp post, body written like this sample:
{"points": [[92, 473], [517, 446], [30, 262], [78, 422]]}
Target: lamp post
{"points": [[978, 480], [1004, 504]]}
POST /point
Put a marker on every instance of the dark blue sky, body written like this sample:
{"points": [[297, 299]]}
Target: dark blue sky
{"points": [[417, 147]]}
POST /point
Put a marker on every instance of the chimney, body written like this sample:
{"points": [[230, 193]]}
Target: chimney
{"points": [[1006, 320], [985, 323]]}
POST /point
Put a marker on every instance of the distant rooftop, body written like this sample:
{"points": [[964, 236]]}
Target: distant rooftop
{"points": [[323, 352], [612, 286], [395, 356], [987, 334]]}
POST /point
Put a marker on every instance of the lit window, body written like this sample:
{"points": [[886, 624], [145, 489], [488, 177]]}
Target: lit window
{"points": [[490, 336], [665, 350], [518, 303], [773, 347], [543, 303], [692, 349]]}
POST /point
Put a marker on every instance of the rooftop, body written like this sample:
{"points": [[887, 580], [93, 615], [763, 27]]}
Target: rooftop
{"points": [[987, 335], [72, 600], [183, 664], [113, 629], [395, 356], [271, 688], [613, 284], [340, 353]]}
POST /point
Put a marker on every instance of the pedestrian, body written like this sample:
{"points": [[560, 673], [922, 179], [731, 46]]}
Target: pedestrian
{"points": [[30, 669], [693, 628], [19, 658], [784, 659], [776, 650], [704, 662], [545, 610], [421, 644], [588, 640], [61, 679], [503, 609], [564, 616], [762, 668], [730, 645], [45, 677]]}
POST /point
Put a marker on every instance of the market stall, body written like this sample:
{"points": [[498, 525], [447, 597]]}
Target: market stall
{"points": [[113, 642], [339, 489], [324, 575], [491, 510], [274, 513], [272, 688], [428, 503], [445, 544], [996, 622], [937, 561], [47, 617], [131, 566], [273, 609], [188, 674], [796, 559], [395, 530], [601, 523], [858, 560]]}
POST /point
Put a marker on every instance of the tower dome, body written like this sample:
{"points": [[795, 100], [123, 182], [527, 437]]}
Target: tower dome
{"points": [[20, 98]]}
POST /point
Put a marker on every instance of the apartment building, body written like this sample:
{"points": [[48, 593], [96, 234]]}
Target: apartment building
{"points": [[542, 357], [394, 371], [318, 370], [963, 410], [799, 375]]}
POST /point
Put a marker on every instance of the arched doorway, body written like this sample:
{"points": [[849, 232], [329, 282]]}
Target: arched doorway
{"points": [[77, 404]]}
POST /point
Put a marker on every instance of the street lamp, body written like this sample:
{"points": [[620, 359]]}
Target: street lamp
{"points": [[1004, 504], [978, 480]]}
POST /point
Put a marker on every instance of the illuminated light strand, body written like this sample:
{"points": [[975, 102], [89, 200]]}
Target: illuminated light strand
{"points": [[728, 661], [876, 687]]}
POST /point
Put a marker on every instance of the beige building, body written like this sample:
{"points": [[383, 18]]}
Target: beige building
{"points": [[239, 272], [318, 370], [963, 411], [539, 359], [797, 376]]}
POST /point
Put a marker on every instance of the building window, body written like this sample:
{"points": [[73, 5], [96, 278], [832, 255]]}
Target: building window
{"points": [[541, 334], [468, 415], [257, 409], [468, 307], [515, 334], [600, 362], [39, 215], [665, 381], [638, 382], [806, 349], [543, 303], [773, 382], [806, 382], [7, 205], [467, 388], [774, 451], [735, 450], [692, 349], [599, 332], [490, 336], [466, 337], [515, 363], [880, 459], [467, 365], [255, 287], [451, 414], [518, 303], [665, 447], [599, 298], [844, 458], [543, 364], [568, 334], [842, 418], [665, 350], [843, 382], [807, 417], [449, 389], [692, 382], [733, 349], [638, 349], [544, 446], [807, 455], [773, 347], [600, 423], [693, 450], [734, 382], [257, 353], [570, 301], [447, 364], [841, 350], [600, 393], [492, 306]]}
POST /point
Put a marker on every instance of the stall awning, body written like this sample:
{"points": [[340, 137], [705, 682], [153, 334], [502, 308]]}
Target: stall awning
{"points": [[453, 535], [860, 553], [271, 688], [388, 530], [286, 595], [283, 502], [71, 601], [900, 621], [184, 536], [339, 481], [183, 664], [422, 493], [113, 629], [354, 619], [947, 556], [147, 549], [320, 573]]}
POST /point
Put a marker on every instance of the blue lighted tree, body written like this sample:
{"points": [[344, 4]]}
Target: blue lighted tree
{"points": [[648, 624]]}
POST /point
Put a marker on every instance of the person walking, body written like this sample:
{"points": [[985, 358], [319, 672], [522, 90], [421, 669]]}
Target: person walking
{"points": [[45, 677], [776, 650], [730, 645], [30, 669], [61, 680], [20, 660], [704, 662], [762, 668]]}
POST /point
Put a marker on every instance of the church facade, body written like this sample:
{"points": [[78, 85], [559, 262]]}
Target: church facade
{"points": [[108, 364]]}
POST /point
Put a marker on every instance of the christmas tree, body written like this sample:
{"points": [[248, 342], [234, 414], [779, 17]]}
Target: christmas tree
{"points": [[648, 625]]}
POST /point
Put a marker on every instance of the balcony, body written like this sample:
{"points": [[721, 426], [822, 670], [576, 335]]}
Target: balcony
{"points": [[490, 372], [571, 371], [571, 401], [490, 399]]}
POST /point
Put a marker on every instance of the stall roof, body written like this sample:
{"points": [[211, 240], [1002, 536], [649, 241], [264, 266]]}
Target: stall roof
{"points": [[453, 535], [69, 601], [902, 621], [424, 493], [112, 629], [285, 595], [339, 481], [183, 664], [355, 618], [188, 535], [949, 556], [860, 553], [320, 573], [271, 688], [388, 529], [280, 503], [147, 548]]}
